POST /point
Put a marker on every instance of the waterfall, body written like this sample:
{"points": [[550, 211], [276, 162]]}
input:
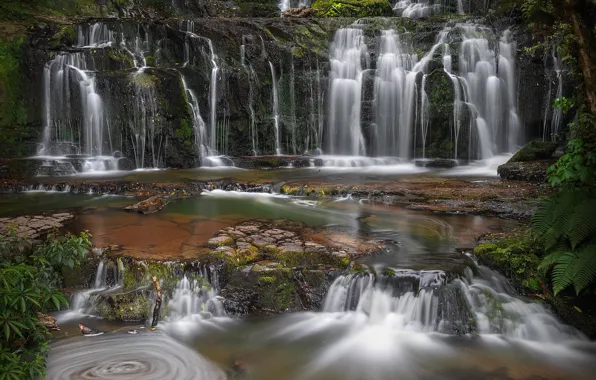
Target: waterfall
{"points": [[489, 81], [426, 301], [67, 131], [252, 77], [213, 97], [83, 302], [349, 57], [419, 8], [284, 5], [194, 302], [275, 94], [550, 131], [395, 96]]}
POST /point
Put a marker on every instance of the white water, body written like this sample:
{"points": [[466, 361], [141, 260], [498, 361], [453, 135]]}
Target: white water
{"points": [[195, 303], [349, 57], [82, 302], [275, 109], [552, 129]]}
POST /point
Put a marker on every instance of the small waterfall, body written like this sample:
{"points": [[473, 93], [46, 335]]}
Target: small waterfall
{"points": [[195, 301], [252, 80], [83, 302], [275, 94], [349, 57], [550, 131], [213, 98], [419, 8], [426, 302]]}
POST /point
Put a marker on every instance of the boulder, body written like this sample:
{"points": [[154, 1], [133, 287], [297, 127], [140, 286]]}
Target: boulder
{"points": [[534, 171], [535, 150]]}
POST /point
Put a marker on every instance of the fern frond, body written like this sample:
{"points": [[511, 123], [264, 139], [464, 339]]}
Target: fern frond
{"points": [[585, 267], [563, 272], [551, 259], [542, 219], [582, 225]]}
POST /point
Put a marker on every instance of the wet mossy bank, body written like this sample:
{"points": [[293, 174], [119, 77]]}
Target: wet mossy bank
{"points": [[517, 255]]}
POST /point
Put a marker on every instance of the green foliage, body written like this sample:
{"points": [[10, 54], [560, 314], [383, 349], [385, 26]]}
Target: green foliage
{"points": [[576, 166], [563, 104], [567, 227], [13, 116], [185, 132], [352, 8], [28, 285]]}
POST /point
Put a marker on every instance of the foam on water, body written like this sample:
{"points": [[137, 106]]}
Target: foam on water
{"points": [[147, 356]]}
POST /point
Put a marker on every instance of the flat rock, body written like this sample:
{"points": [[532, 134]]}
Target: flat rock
{"points": [[149, 205]]}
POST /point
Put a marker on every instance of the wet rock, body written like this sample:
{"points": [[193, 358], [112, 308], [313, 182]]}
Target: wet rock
{"points": [[436, 163], [220, 241], [149, 205], [35, 226], [300, 12], [534, 171], [48, 322]]}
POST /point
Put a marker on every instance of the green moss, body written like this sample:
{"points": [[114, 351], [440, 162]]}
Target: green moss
{"points": [[15, 134], [516, 257], [267, 279], [131, 306], [66, 36], [352, 8], [185, 132], [121, 57], [389, 272], [150, 61]]}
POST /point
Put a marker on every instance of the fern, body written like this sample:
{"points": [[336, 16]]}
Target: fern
{"points": [[582, 225], [584, 272], [562, 274], [567, 227]]}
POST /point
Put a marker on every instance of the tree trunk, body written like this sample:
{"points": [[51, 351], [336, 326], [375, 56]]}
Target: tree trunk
{"points": [[587, 60], [157, 307]]}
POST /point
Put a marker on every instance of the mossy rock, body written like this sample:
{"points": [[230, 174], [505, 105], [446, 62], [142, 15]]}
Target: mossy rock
{"points": [[127, 306], [517, 257], [535, 150], [352, 8]]}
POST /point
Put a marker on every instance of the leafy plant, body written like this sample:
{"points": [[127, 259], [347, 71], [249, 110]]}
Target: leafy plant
{"points": [[566, 225], [29, 276], [563, 104], [575, 166]]}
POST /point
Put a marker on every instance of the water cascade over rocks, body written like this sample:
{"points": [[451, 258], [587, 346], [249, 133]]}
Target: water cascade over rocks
{"points": [[129, 92]]}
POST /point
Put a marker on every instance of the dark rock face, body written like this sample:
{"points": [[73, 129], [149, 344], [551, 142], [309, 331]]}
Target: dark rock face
{"points": [[535, 150]]}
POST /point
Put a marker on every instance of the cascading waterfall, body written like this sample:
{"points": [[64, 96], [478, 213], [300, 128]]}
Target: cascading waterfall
{"points": [[284, 5], [490, 87], [62, 120], [275, 94], [418, 8], [426, 302], [83, 302], [252, 78], [550, 131], [349, 57], [195, 301], [395, 96]]}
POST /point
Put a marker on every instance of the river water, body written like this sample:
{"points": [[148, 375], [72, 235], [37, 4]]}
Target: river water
{"points": [[438, 316]]}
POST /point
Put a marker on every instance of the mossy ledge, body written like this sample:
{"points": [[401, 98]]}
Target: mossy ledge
{"points": [[352, 8]]}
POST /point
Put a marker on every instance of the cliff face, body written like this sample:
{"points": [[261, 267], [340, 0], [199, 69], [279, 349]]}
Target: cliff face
{"points": [[166, 83]]}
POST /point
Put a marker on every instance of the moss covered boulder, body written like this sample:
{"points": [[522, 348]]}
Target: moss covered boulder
{"points": [[352, 8], [516, 256], [535, 150]]}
